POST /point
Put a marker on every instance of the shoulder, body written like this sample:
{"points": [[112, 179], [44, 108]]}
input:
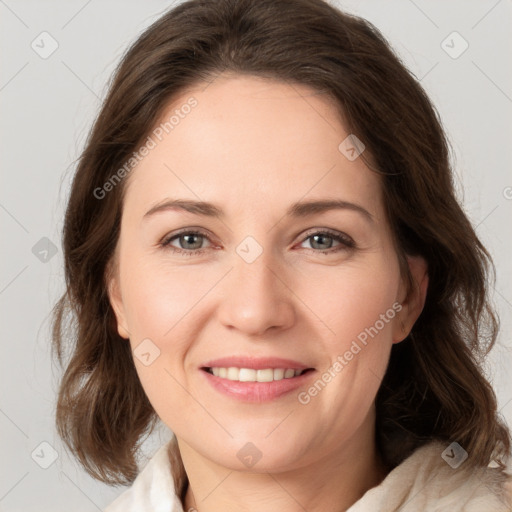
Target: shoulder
{"points": [[432, 480], [152, 490]]}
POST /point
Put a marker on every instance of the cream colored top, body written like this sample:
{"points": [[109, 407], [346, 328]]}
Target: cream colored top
{"points": [[423, 482]]}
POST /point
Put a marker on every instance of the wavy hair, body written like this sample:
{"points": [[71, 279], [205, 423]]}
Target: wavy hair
{"points": [[434, 387]]}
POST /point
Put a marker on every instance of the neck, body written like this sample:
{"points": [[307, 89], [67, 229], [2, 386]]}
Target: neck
{"points": [[329, 484]]}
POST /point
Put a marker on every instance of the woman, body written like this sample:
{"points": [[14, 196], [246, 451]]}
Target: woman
{"points": [[318, 344]]}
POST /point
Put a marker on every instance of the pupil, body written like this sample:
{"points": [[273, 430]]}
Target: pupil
{"points": [[192, 236]]}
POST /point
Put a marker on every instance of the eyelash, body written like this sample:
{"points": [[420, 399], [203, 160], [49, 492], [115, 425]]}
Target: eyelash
{"points": [[346, 242]]}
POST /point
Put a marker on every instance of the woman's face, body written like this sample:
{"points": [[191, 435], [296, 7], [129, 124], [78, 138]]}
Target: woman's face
{"points": [[249, 272]]}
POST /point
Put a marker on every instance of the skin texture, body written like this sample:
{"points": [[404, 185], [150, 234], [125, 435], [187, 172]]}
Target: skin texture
{"points": [[253, 147]]}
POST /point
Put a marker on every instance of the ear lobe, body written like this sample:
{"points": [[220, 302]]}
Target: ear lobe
{"points": [[114, 295], [413, 304]]}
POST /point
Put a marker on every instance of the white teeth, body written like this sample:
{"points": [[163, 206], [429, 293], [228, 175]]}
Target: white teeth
{"points": [[264, 375], [252, 375], [247, 375], [233, 374], [278, 374]]}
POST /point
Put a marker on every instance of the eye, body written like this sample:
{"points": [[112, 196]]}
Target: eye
{"points": [[322, 241], [189, 242]]}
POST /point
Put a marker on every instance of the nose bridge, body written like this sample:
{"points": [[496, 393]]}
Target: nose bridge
{"points": [[255, 297]]}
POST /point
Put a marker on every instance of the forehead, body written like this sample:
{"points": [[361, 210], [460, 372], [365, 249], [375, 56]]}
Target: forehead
{"points": [[250, 140]]}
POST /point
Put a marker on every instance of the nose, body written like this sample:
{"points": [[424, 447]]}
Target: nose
{"points": [[255, 298]]}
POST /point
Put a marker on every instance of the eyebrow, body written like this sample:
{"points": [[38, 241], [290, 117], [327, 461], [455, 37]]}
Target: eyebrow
{"points": [[298, 209]]}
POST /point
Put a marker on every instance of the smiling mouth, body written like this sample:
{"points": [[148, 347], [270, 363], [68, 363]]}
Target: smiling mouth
{"points": [[253, 375]]}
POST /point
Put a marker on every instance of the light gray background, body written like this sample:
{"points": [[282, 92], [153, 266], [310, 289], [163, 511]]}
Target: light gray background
{"points": [[47, 107]]}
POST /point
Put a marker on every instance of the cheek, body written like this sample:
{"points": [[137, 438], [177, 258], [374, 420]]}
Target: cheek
{"points": [[356, 302], [159, 304], [159, 298], [359, 308], [167, 306]]}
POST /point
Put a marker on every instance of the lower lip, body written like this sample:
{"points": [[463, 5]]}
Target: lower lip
{"points": [[257, 391]]}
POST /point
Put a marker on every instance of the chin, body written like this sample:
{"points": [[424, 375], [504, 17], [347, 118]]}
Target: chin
{"points": [[258, 454]]}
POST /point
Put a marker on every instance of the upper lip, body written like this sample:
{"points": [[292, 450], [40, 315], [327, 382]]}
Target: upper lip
{"points": [[256, 363]]}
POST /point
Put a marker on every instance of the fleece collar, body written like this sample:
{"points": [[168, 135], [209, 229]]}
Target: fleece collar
{"points": [[423, 482]]}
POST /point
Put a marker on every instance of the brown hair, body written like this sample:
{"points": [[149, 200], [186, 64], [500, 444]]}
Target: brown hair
{"points": [[434, 387]]}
